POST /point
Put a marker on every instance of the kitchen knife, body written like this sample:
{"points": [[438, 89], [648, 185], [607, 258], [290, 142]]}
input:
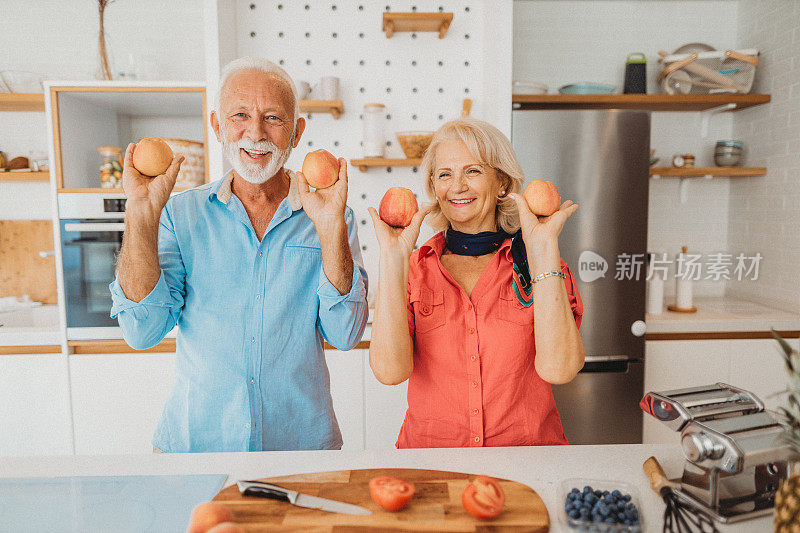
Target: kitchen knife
{"points": [[268, 490]]}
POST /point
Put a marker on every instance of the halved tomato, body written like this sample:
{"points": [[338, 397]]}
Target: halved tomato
{"points": [[390, 493], [483, 498]]}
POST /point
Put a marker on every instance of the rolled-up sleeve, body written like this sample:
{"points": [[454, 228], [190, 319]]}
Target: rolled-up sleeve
{"points": [[144, 324], [343, 317]]}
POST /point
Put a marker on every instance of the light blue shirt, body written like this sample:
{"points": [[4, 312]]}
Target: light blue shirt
{"points": [[250, 370]]}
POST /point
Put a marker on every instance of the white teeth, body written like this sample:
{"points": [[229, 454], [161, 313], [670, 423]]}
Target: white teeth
{"points": [[255, 152], [461, 201]]}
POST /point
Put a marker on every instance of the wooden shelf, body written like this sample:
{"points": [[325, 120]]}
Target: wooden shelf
{"points": [[334, 107], [650, 102], [701, 172], [21, 102], [365, 163], [25, 176], [416, 22]]}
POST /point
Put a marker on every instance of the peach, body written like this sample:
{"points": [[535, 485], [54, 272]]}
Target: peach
{"points": [[152, 156], [226, 527], [542, 198], [321, 169], [398, 207], [207, 515]]}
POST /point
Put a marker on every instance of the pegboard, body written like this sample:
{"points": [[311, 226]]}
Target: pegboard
{"points": [[420, 78]]}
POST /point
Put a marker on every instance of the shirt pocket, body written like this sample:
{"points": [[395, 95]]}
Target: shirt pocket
{"points": [[299, 261], [511, 310], [429, 311]]}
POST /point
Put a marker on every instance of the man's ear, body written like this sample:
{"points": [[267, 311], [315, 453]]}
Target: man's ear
{"points": [[298, 131], [215, 125]]}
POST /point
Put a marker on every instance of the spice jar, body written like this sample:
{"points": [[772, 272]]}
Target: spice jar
{"points": [[111, 169], [374, 142]]}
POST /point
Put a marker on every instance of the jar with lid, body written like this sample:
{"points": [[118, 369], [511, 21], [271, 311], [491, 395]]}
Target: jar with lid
{"points": [[374, 141], [111, 169]]}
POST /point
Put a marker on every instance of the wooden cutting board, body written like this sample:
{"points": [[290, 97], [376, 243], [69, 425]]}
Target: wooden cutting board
{"points": [[436, 505]]}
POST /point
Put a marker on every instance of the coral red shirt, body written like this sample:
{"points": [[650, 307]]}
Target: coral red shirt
{"points": [[474, 382]]}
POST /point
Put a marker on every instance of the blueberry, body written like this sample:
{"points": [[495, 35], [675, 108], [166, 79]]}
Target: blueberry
{"points": [[584, 512], [621, 516], [597, 519], [574, 491], [626, 497], [598, 492], [606, 493], [587, 489], [574, 514], [616, 493]]}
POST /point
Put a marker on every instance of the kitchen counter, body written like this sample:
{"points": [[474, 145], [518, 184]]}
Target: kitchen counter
{"points": [[30, 326], [723, 315], [542, 468]]}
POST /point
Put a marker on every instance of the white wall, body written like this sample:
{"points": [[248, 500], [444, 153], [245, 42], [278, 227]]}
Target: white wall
{"points": [[563, 42], [764, 211]]}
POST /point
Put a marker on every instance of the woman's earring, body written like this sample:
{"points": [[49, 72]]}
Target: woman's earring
{"points": [[502, 194]]}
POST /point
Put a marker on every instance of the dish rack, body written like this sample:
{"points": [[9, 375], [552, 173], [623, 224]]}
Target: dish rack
{"points": [[719, 71]]}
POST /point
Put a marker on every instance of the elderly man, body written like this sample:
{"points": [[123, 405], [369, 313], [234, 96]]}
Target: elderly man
{"points": [[255, 269]]}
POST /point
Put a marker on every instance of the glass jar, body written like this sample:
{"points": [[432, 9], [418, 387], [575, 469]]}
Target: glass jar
{"points": [[374, 141], [111, 169]]}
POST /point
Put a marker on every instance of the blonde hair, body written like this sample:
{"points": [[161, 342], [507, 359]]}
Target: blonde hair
{"points": [[490, 147]]}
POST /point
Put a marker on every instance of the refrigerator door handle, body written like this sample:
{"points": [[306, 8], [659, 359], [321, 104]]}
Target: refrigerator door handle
{"points": [[606, 363]]}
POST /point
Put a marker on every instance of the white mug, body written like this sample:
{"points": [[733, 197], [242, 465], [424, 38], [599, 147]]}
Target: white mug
{"points": [[303, 90], [329, 87]]}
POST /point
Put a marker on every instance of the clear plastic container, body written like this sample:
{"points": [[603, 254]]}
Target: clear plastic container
{"points": [[568, 484]]}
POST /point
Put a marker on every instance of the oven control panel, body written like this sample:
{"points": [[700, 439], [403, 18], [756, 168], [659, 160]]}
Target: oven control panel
{"points": [[114, 205]]}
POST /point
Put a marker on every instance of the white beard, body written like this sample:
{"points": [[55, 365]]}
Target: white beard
{"points": [[253, 172]]}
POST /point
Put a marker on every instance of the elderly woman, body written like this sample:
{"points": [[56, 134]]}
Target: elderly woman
{"points": [[456, 316]]}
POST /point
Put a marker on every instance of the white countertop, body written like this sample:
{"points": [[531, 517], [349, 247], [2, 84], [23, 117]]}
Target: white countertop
{"points": [[542, 468], [723, 314], [30, 326]]}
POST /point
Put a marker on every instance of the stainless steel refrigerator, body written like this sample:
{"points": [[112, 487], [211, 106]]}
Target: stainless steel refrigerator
{"points": [[599, 159]]}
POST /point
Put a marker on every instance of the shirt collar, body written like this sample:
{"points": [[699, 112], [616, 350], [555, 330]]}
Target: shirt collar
{"points": [[436, 246], [223, 191]]}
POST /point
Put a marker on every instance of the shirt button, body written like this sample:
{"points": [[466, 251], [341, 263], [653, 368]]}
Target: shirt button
{"points": [[426, 310], [477, 439], [473, 357], [469, 307], [252, 380], [474, 383], [471, 331], [475, 411], [248, 427], [258, 296], [260, 254], [252, 339]]}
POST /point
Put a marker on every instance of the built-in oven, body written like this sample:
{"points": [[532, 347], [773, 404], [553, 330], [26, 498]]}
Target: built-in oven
{"points": [[91, 228]]}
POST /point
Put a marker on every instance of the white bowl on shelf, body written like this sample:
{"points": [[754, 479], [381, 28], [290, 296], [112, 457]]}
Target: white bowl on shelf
{"points": [[529, 87]]}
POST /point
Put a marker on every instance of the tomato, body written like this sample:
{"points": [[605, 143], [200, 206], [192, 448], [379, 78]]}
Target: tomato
{"points": [[483, 498], [390, 493]]}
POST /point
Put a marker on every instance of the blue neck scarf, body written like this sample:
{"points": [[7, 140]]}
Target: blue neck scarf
{"points": [[487, 242]]}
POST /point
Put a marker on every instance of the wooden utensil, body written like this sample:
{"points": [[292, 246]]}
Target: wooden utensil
{"points": [[678, 516], [466, 107], [436, 505]]}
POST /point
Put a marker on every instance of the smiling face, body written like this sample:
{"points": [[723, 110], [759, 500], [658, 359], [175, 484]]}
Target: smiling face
{"points": [[256, 124], [467, 189]]}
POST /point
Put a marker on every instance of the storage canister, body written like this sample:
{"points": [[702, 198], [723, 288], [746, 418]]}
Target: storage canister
{"points": [[374, 141], [728, 153]]}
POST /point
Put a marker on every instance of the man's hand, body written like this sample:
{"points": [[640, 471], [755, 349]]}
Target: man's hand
{"points": [[146, 192], [325, 207]]}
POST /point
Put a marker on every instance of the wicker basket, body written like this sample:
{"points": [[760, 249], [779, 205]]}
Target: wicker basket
{"points": [[193, 168]]}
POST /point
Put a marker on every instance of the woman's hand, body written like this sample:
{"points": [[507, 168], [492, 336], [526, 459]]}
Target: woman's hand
{"points": [[325, 207], [398, 240], [141, 190], [539, 231]]}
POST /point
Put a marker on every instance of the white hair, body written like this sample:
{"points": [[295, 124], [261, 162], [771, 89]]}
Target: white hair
{"points": [[256, 63]]}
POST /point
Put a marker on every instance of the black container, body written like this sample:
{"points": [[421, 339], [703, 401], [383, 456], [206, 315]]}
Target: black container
{"points": [[635, 74]]}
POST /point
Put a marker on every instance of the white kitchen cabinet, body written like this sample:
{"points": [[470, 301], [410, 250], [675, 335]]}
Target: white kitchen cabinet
{"points": [[34, 405], [756, 365], [117, 400], [385, 407], [347, 390], [751, 364]]}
